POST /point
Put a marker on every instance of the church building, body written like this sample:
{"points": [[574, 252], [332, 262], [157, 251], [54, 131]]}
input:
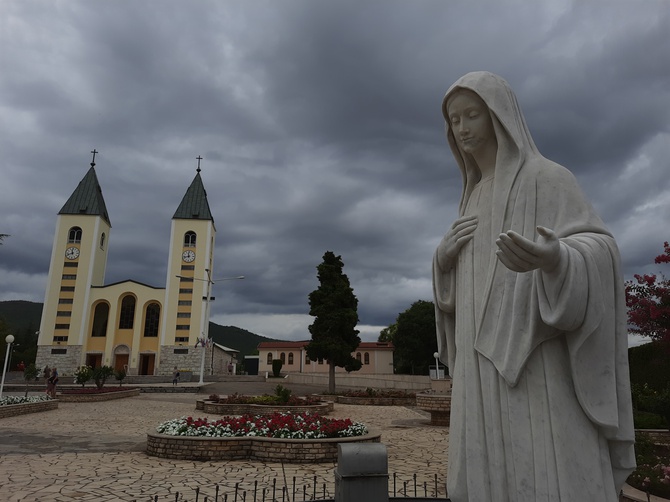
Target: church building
{"points": [[128, 325]]}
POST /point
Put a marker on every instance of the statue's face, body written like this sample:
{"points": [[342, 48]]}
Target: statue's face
{"points": [[470, 121]]}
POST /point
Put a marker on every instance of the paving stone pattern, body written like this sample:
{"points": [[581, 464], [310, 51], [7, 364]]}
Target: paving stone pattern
{"points": [[96, 452]]}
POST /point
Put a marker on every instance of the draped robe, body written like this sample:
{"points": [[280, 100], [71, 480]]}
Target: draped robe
{"points": [[541, 406]]}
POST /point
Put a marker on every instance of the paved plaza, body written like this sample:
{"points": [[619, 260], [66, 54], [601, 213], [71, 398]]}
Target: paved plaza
{"points": [[95, 452]]}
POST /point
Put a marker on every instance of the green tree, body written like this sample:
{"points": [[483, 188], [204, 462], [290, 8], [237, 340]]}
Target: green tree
{"points": [[30, 374], [415, 341], [388, 333], [335, 309]]}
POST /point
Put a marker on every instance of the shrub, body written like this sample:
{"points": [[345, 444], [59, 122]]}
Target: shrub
{"points": [[214, 397], [276, 367], [646, 420], [83, 374], [646, 399], [282, 393], [101, 374], [120, 375]]}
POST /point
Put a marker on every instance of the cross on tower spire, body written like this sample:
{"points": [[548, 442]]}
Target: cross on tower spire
{"points": [[94, 151], [199, 158]]}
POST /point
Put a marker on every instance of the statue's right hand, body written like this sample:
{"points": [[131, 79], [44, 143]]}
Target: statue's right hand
{"points": [[458, 235]]}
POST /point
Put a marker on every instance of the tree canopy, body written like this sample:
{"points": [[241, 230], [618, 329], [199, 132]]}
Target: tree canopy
{"points": [[335, 309], [413, 336], [648, 302]]}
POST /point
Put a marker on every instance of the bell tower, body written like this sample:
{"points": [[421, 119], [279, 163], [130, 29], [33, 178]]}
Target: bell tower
{"points": [[78, 261], [190, 265]]}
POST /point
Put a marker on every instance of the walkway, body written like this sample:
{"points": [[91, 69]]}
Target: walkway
{"points": [[95, 452]]}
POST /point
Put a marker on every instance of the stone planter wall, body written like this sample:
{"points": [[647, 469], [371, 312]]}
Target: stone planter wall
{"points": [[92, 398], [377, 401], [261, 409], [294, 451], [438, 405], [12, 410]]}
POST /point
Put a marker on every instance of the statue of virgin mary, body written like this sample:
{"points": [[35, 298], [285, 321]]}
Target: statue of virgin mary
{"points": [[530, 316]]}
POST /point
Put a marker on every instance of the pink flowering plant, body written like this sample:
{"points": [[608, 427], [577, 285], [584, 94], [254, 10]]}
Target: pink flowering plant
{"points": [[653, 467], [277, 425]]}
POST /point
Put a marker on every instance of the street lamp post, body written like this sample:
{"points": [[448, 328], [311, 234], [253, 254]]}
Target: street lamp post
{"points": [[9, 339], [437, 365], [205, 334]]}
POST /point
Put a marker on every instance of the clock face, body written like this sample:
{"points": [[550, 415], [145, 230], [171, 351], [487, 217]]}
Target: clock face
{"points": [[188, 256], [72, 253]]}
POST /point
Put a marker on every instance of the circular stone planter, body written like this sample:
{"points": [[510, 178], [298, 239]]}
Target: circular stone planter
{"points": [[262, 409], [438, 405], [293, 451], [94, 398], [377, 401]]}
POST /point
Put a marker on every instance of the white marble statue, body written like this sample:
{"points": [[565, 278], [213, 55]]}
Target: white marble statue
{"points": [[531, 318]]}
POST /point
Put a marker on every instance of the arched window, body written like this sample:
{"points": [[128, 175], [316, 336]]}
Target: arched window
{"points": [[283, 357], [189, 239], [269, 361], [358, 356], [100, 316], [127, 312], [290, 357], [151, 318], [74, 235], [366, 358], [102, 241]]}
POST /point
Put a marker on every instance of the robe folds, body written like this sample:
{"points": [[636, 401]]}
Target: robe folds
{"points": [[541, 405]]}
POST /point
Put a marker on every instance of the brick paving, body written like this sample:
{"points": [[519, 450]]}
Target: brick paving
{"points": [[96, 452]]}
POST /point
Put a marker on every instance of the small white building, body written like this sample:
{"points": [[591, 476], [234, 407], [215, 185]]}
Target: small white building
{"points": [[375, 357]]}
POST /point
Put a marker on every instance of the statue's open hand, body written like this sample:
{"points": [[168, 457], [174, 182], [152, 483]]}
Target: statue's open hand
{"points": [[460, 233], [523, 255]]}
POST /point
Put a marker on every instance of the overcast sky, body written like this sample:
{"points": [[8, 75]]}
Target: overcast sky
{"points": [[320, 129]]}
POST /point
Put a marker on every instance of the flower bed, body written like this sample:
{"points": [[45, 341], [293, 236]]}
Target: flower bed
{"points": [[89, 395], [282, 402], [294, 438], [652, 474], [11, 406]]}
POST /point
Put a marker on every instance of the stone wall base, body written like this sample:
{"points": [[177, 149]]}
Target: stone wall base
{"points": [[92, 398], [293, 451], [13, 410]]}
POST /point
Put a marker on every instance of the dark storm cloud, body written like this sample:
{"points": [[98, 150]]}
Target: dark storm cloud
{"points": [[320, 128]]}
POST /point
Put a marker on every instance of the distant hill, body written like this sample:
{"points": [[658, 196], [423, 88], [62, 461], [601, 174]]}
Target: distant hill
{"points": [[237, 338], [23, 318], [21, 315]]}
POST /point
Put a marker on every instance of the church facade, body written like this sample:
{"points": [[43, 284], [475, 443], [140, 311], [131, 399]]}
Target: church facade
{"points": [[129, 325]]}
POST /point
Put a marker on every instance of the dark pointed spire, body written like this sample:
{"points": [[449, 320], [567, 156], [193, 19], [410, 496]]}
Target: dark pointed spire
{"points": [[87, 197], [194, 205]]}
